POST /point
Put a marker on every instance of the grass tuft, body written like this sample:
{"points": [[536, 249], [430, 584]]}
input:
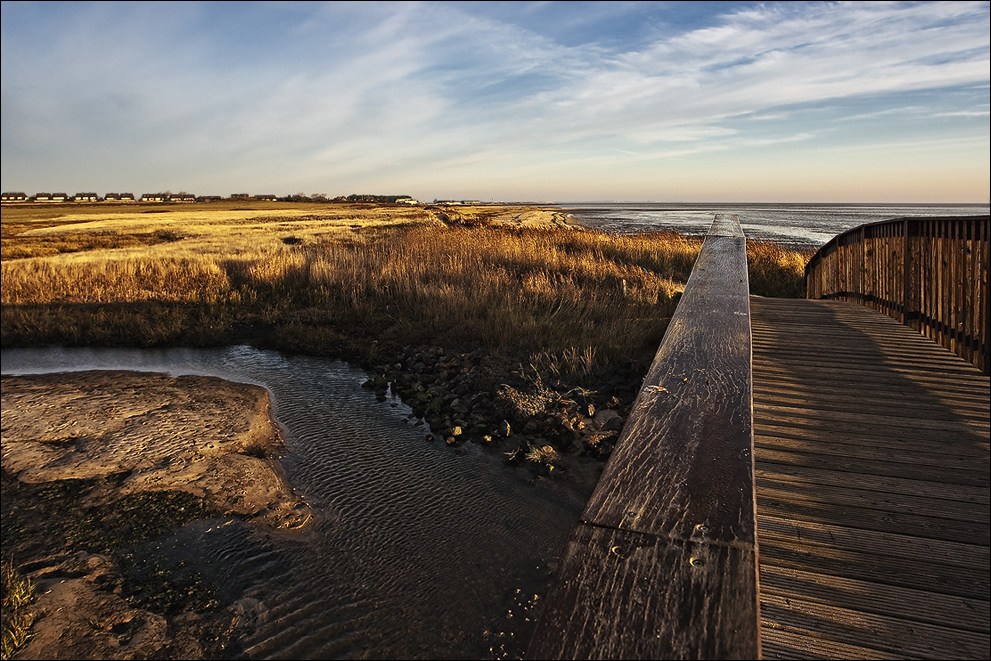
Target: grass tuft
{"points": [[18, 594]]}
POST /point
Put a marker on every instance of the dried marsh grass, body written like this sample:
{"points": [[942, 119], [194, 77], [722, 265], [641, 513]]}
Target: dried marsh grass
{"points": [[331, 280]]}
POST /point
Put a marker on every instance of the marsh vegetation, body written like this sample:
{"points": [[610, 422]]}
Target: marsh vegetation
{"points": [[511, 302], [354, 281], [473, 315]]}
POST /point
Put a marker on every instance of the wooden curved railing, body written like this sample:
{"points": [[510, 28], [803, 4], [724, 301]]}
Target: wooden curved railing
{"points": [[929, 273], [663, 562]]}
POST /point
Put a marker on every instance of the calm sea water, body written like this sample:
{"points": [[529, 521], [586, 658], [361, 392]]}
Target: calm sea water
{"points": [[803, 225]]}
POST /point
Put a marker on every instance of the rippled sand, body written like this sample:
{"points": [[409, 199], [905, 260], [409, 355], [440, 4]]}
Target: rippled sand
{"points": [[204, 435]]}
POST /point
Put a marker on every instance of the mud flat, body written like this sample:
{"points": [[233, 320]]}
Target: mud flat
{"points": [[129, 434]]}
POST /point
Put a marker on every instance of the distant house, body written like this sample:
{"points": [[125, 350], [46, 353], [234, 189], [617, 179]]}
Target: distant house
{"points": [[182, 198], [240, 196], [406, 200], [43, 197], [86, 197], [266, 198], [13, 197], [209, 198], [153, 197]]}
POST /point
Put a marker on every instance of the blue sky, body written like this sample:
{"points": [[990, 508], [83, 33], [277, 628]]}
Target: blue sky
{"points": [[550, 101]]}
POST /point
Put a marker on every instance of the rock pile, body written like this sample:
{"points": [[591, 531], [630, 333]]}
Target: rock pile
{"points": [[473, 397]]}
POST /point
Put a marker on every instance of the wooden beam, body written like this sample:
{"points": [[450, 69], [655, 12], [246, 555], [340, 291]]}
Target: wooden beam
{"points": [[663, 563]]}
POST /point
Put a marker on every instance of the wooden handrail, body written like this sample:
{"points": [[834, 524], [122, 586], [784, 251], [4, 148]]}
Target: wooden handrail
{"points": [[929, 273], [663, 563]]}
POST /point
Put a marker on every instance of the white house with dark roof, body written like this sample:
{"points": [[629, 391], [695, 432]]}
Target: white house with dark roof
{"points": [[50, 197]]}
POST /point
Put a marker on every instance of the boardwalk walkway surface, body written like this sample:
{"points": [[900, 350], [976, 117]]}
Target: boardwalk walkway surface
{"points": [[872, 464]]}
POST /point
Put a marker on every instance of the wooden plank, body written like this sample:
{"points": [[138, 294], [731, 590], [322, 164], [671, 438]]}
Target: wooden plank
{"points": [[886, 450], [972, 443], [689, 435], [860, 466], [928, 488], [914, 574], [873, 597], [933, 527], [872, 468], [890, 634], [797, 643], [776, 389], [847, 496], [616, 601], [872, 422], [839, 402], [679, 485], [894, 545]]}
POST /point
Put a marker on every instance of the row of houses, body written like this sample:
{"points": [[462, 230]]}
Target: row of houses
{"points": [[188, 198], [181, 198]]}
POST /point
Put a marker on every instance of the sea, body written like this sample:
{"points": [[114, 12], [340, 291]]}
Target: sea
{"points": [[794, 225]]}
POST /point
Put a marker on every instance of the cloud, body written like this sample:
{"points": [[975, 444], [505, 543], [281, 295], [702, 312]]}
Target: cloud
{"points": [[340, 91]]}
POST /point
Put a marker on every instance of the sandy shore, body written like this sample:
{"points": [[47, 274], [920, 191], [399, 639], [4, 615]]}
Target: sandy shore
{"points": [[202, 435]]}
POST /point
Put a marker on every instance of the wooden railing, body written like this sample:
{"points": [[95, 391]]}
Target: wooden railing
{"points": [[929, 273], [663, 563]]}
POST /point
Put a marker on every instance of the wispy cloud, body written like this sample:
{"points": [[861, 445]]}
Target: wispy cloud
{"points": [[348, 93]]}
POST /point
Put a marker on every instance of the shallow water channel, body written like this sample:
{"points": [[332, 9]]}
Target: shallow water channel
{"points": [[418, 550]]}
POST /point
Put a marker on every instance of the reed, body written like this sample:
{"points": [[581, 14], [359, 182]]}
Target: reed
{"points": [[776, 270], [325, 282]]}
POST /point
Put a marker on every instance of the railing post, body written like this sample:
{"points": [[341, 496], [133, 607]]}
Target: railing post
{"points": [[663, 563], [911, 307]]}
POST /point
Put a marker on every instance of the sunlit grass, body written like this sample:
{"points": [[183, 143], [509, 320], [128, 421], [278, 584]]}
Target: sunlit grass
{"points": [[775, 270], [18, 593], [329, 279]]}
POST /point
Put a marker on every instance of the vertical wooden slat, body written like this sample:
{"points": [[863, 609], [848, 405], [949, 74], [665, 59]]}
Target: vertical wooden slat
{"points": [[984, 302], [908, 279], [931, 273]]}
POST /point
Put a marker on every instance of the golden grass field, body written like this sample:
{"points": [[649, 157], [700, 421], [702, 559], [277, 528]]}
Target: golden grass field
{"points": [[313, 277]]}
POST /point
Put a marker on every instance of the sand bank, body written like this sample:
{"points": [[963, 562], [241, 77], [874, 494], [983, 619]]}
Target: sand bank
{"points": [[203, 435]]}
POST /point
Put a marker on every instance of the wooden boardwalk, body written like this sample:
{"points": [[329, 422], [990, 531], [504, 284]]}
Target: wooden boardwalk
{"points": [[872, 464]]}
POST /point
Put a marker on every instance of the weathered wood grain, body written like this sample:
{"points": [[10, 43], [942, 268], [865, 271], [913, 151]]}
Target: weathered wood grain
{"points": [[872, 471], [662, 563], [627, 595]]}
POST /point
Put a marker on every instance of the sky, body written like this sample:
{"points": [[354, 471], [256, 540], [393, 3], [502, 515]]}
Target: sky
{"points": [[501, 101]]}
